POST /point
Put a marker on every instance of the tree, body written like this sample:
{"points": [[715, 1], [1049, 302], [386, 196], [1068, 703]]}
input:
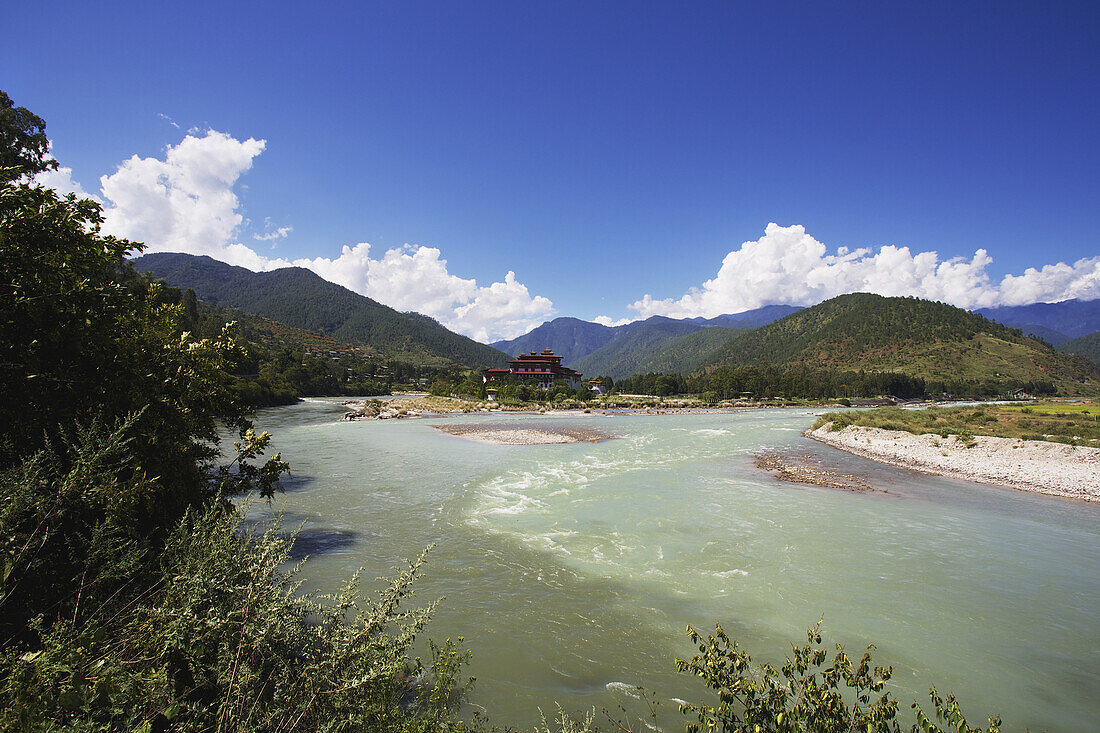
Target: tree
{"points": [[23, 143], [190, 305], [131, 596], [112, 414]]}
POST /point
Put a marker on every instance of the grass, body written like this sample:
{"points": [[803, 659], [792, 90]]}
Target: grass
{"points": [[1074, 424], [1058, 408]]}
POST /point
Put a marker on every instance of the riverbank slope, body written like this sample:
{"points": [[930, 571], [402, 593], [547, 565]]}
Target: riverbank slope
{"points": [[1029, 465]]}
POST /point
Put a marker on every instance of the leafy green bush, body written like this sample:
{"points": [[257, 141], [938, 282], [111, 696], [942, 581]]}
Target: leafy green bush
{"points": [[810, 692], [223, 640], [802, 695], [966, 438]]}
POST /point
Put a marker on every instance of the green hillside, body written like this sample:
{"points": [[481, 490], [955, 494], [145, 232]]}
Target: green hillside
{"points": [[934, 341], [300, 298], [1086, 346], [634, 343], [687, 353], [273, 334], [277, 364]]}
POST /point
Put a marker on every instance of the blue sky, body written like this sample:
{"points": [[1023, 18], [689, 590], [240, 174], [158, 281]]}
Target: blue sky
{"points": [[599, 151]]}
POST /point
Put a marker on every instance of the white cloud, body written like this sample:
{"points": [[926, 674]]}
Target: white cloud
{"points": [[279, 233], [610, 322], [787, 265], [186, 202], [61, 180], [417, 279], [1079, 280]]}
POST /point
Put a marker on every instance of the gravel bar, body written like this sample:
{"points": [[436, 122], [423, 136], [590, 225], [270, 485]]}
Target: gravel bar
{"points": [[514, 434], [1029, 465]]}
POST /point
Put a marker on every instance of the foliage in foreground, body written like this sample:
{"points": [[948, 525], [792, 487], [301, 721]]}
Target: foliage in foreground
{"points": [[810, 692], [224, 641], [130, 596], [220, 638]]}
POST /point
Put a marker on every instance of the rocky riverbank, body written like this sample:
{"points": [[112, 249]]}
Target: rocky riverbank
{"points": [[1029, 465], [409, 407], [378, 409], [805, 470]]}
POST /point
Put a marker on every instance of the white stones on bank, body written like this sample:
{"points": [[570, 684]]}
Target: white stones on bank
{"points": [[1029, 465], [521, 434]]}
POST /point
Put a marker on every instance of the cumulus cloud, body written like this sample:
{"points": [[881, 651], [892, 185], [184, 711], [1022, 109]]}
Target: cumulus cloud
{"points": [[1079, 280], [787, 265], [609, 321], [186, 202], [61, 180], [417, 279]]}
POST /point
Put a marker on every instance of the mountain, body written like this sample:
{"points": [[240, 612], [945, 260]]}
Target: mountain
{"points": [[908, 335], [300, 298], [1049, 335], [1073, 318], [632, 344], [754, 318], [641, 341], [571, 337], [1086, 346], [275, 335], [685, 354]]}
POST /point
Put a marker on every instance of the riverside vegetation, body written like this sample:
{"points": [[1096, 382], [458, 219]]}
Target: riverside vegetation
{"points": [[133, 598], [1071, 423], [278, 364]]}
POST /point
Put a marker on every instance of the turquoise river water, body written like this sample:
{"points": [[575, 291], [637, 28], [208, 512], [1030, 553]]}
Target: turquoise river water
{"points": [[572, 570]]}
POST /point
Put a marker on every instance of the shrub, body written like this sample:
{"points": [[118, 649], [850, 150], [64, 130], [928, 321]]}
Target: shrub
{"points": [[810, 692], [226, 642], [966, 438]]}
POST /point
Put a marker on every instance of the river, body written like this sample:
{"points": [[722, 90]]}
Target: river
{"points": [[572, 570]]}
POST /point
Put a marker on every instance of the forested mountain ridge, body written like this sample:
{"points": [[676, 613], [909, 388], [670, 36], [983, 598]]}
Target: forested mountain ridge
{"points": [[277, 364], [687, 353], [635, 347], [906, 335], [633, 343], [1086, 346], [302, 299], [572, 338]]}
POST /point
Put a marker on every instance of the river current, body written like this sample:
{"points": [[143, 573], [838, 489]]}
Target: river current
{"points": [[572, 570]]}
